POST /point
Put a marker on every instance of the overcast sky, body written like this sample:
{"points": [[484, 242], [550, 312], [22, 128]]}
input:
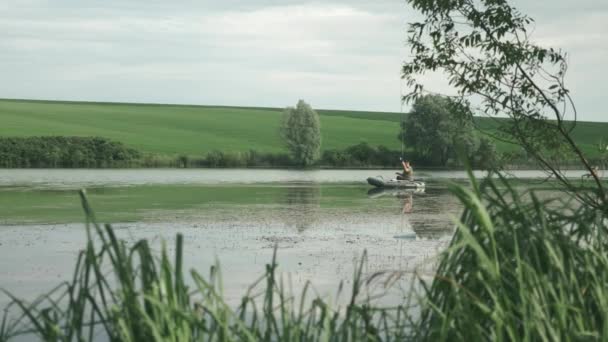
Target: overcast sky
{"points": [[341, 54]]}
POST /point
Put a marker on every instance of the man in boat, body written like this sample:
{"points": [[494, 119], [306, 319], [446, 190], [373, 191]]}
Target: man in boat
{"points": [[408, 171]]}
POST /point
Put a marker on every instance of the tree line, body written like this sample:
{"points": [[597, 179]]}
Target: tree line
{"points": [[436, 129], [361, 155], [68, 152], [97, 152], [437, 132]]}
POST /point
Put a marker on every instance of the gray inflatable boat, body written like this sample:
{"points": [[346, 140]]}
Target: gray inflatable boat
{"points": [[380, 182]]}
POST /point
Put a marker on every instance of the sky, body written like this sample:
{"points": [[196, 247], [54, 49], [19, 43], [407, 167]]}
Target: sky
{"points": [[335, 54]]}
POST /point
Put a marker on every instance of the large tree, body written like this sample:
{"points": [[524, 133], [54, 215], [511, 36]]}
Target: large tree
{"points": [[437, 127], [301, 132], [484, 49]]}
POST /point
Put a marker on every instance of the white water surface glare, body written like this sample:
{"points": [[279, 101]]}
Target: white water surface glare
{"points": [[320, 221], [116, 177]]}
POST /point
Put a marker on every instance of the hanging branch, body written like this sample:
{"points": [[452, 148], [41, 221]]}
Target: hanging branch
{"points": [[484, 49]]}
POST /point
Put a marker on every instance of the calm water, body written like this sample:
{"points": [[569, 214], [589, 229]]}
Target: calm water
{"points": [[321, 222], [96, 177]]}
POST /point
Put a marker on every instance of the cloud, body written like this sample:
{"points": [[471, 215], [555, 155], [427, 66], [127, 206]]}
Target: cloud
{"points": [[280, 52], [582, 35], [336, 54]]}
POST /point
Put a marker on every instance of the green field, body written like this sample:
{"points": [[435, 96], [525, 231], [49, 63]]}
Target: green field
{"points": [[173, 129], [195, 130]]}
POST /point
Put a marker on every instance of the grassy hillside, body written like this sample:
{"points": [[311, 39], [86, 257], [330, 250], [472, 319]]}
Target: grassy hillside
{"points": [[174, 129], [195, 130]]}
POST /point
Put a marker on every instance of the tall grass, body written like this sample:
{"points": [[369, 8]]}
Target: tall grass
{"points": [[519, 267]]}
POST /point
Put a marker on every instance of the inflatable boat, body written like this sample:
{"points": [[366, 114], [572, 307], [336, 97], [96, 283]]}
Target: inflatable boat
{"points": [[380, 182]]}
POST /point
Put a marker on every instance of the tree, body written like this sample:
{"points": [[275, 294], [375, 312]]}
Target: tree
{"points": [[437, 127], [484, 49], [486, 156], [301, 132]]}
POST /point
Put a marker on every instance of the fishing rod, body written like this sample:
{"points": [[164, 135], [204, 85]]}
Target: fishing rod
{"points": [[402, 123]]}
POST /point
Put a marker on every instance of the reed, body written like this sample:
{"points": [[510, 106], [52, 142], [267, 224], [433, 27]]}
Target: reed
{"points": [[520, 268]]}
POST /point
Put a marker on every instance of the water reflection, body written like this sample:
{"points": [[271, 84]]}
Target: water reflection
{"points": [[320, 229], [303, 204], [433, 215], [392, 192], [406, 228], [79, 178], [422, 214]]}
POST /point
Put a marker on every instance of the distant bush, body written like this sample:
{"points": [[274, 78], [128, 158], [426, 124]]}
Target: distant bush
{"points": [[336, 158], [361, 155], [157, 160], [250, 158], [64, 152], [224, 159], [183, 160], [259, 159], [486, 156], [96, 152]]}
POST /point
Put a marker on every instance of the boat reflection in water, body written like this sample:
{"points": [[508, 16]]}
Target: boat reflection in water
{"points": [[393, 192], [430, 217], [406, 231]]}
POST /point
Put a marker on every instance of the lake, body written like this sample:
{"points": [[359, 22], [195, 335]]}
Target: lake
{"points": [[321, 222]]}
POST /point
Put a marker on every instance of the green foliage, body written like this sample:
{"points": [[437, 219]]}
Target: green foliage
{"points": [[261, 159], [486, 156], [301, 133], [361, 155], [65, 152], [484, 49], [163, 132], [171, 130], [59, 152], [224, 159], [437, 128], [250, 158], [520, 268], [602, 148]]}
